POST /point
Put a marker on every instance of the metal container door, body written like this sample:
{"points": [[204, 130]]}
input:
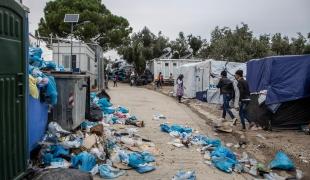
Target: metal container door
{"points": [[13, 135]]}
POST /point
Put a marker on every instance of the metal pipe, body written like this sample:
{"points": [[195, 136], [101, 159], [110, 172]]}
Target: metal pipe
{"points": [[71, 47]]}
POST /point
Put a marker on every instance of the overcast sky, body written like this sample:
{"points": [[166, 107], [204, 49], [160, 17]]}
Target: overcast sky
{"points": [[201, 16]]}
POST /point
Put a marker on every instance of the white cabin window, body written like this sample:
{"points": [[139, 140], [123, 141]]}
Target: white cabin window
{"points": [[66, 61], [88, 63]]}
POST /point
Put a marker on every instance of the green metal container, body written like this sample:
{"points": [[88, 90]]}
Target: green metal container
{"points": [[13, 135]]}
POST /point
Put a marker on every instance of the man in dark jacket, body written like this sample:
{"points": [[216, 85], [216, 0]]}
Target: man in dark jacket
{"points": [[244, 98], [227, 90]]}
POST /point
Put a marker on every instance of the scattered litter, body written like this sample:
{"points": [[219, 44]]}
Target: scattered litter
{"points": [[282, 161], [207, 156], [84, 161], [89, 141], [99, 144], [260, 136], [108, 172], [273, 176], [223, 159], [237, 146], [55, 128], [225, 128], [229, 144], [299, 174], [185, 175], [98, 130], [208, 163], [159, 117]]}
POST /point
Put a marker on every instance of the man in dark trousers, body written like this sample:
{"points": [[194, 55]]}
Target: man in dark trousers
{"points": [[244, 98], [227, 90]]}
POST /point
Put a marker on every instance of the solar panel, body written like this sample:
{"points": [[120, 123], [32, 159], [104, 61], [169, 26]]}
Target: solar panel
{"points": [[72, 18]]}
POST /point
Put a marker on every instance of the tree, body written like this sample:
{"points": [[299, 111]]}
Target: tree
{"points": [[279, 45], [195, 43], [180, 46], [307, 46], [143, 46], [108, 30], [298, 44]]}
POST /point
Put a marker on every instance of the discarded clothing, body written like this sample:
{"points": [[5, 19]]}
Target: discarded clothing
{"points": [[282, 161]]}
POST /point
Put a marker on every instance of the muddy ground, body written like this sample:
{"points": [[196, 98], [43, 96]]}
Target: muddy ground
{"points": [[144, 104], [261, 144]]}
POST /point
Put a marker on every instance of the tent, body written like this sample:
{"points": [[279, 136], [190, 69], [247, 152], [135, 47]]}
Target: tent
{"points": [[280, 87], [204, 76]]}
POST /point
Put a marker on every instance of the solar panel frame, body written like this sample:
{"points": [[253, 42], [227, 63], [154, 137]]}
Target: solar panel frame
{"points": [[71, 18]]}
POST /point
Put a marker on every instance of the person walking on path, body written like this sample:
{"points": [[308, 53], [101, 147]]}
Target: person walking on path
{"points": [[227, 90], [159, 81], [180, 87], [244, 98], [115, 79]]}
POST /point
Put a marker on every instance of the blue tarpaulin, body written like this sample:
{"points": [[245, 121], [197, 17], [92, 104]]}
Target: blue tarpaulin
{"points": [[285, 78]]}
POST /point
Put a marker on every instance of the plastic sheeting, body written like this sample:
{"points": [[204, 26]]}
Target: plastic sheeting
{"points": [[204, 76], [285, 78]]}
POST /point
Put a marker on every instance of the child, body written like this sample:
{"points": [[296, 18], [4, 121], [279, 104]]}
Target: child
{"points": [[115, 79]]}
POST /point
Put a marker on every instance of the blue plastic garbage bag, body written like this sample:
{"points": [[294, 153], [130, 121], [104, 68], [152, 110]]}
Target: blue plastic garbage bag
{"points": [[204, 140], [35, 51], [35, 55], [51, 90], [183, 175], [165, 128], [50, 65], [47, 158], [224, 152], [108, 172], [175, 127], [223, 163], [84, 161], [92, 95], [123, 110], [282, 161], [108, 110], [60, 68], [144, 168], [53, 152], [180, 128], [58, 150], [103, 102], [36, 61], [224, 159], [138, 161], [87, 123]]}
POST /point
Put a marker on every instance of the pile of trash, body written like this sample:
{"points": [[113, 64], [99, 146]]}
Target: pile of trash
{"points": [[103, 146], [41, 85], [220, 156]]}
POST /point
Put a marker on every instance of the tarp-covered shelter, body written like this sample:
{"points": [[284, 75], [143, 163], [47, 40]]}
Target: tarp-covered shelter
{"points": [[280, 87], [205, 75]]}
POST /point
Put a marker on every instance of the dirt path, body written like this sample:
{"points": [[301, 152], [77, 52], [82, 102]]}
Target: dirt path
{"points": [[144, 104]]}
